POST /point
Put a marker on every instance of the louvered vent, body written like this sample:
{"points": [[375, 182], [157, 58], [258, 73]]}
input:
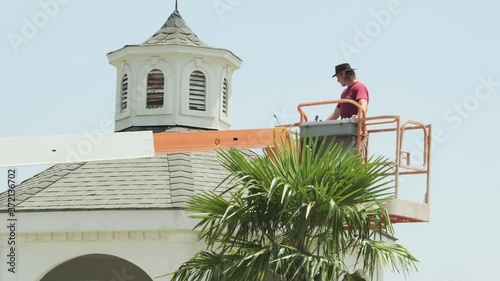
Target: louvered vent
{"points": [[197, 91], [124, 93], [224, 97], [155, 92]]}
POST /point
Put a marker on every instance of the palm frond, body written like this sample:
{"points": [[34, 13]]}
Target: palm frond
{"points": [[295, 215]]}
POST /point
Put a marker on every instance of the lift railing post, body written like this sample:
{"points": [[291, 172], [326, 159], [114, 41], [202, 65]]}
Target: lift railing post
{"points": [[399, 143]]}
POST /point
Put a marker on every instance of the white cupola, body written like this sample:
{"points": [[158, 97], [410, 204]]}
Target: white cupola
{"points": [[173, 80]]}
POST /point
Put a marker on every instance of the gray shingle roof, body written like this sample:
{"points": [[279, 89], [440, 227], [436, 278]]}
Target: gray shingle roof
{"points": [[174, 32], [162, 182]]}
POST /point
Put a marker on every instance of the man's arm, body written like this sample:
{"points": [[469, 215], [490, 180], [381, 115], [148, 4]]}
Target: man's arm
{"points": [[335, 115], [364, 105]]}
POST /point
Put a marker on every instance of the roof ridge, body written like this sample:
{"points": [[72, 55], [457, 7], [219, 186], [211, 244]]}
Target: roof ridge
{"points": [[180, 168], [51, 182], [174, 31]]}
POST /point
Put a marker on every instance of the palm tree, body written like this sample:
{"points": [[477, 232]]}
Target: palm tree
{"points": [[295, 215]]}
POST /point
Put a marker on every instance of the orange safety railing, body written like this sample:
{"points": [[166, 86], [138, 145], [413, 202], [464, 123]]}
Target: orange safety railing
{"points": [[400, 162]]}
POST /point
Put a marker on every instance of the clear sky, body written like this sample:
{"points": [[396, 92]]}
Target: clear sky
{"points": [[432, 61]]}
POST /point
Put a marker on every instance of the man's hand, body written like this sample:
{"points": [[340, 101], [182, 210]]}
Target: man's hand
{"points": [[335, 115]]}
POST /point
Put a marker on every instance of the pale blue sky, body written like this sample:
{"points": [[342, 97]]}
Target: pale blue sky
{"points": [[422, 60]]}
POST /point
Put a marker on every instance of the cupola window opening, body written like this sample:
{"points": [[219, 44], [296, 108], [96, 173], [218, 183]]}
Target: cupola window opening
{"points": [[156, 89], [197, 91], [124, 93], [224, 98]]}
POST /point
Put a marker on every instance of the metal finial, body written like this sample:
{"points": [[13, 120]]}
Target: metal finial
{"points": [[175, 5]]}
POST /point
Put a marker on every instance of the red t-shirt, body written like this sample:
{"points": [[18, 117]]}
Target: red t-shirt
{"points": [[355, 92]]}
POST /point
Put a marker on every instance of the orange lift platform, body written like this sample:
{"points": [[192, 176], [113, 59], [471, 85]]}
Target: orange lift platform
{"points": [[354, 132], [359, 130]]}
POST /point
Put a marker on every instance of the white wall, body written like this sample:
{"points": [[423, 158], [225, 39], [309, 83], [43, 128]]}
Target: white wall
{"points": [[156, 241]]}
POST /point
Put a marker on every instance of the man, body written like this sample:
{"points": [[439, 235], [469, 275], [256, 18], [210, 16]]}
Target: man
{"points": [[355, 91]]}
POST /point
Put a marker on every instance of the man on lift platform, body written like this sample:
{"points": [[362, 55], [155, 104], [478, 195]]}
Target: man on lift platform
{"points": [[355, 90]]}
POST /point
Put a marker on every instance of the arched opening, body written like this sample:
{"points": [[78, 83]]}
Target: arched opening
{"points": [[225, 99], [96, 267], [156, 89], [197, 91], [124, 93]]}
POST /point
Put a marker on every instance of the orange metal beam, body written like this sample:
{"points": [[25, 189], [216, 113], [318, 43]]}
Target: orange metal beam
{"points": [[211, 140]]}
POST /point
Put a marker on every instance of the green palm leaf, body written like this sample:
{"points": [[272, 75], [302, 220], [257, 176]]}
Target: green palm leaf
{"points": [[295, 215]]}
